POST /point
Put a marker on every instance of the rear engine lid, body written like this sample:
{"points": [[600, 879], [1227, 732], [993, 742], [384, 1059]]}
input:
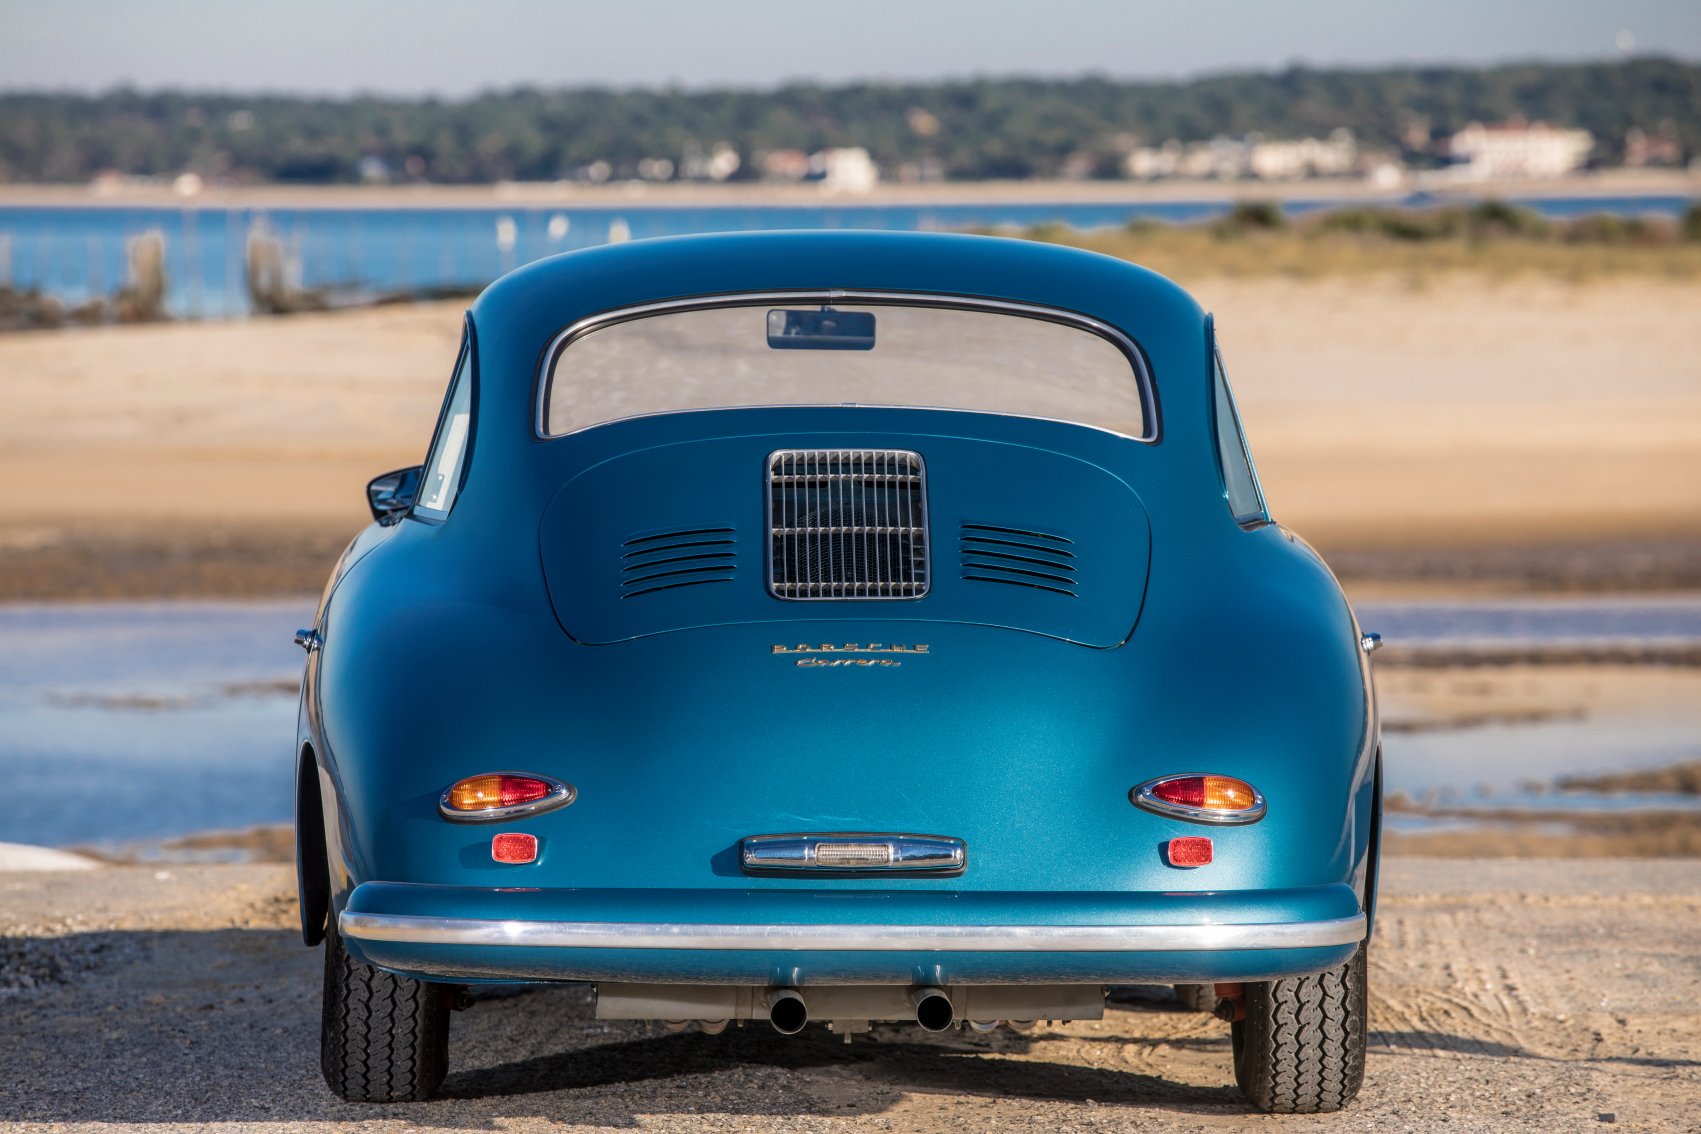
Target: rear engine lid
{"points": [[706, 533]]}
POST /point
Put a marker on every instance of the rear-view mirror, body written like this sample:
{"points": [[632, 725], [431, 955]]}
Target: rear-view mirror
{"points": [[825, 329]]}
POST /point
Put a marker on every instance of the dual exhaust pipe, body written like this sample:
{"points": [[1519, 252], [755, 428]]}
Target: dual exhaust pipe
{"points": [[788, 1011]]}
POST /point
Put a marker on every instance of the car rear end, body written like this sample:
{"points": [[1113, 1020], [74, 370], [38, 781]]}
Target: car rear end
{"points": [[835, 706]]}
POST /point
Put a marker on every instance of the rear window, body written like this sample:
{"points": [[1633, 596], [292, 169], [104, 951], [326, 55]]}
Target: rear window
{"points": [[848, 352]]}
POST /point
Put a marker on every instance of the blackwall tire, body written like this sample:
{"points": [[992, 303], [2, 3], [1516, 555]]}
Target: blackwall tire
{"points": [[383, 1038], [1300, 1049]]}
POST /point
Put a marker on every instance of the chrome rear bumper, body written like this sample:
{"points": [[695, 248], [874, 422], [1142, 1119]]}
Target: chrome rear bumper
{"points": [[783, 935], [423, 930]]}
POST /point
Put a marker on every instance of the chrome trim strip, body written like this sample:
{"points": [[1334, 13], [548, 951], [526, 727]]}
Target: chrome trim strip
{"points": [[1141, 796], [884, 853], [419, 930], [560, 795], [1151, 429]]}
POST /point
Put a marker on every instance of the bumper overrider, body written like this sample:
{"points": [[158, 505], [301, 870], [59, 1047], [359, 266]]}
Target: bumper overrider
{"points": [[799, 936]]}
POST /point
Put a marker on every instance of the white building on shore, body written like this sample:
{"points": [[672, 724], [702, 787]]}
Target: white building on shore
{"points": [[1290, 158], [1279, 159], [1517, 150], [849, 169]]}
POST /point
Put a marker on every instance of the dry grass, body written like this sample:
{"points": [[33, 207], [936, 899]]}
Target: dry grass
{"points": [[1195, 253], [1489, 239]]}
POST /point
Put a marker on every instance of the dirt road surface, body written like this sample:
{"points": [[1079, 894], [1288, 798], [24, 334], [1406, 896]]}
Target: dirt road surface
{"points": [[1506, 995]]}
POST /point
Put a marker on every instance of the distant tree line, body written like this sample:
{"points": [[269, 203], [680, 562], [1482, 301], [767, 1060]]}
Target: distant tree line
{"points": [[974, 129]]}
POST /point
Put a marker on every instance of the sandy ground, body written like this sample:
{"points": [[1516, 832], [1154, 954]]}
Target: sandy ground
{"points": [[1533, 995], [1405, 425], [1469, 413]]}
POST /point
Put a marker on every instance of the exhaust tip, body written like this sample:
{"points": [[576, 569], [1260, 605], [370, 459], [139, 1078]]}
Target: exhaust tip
{"points": [[787, 1012], [933, 1010]]}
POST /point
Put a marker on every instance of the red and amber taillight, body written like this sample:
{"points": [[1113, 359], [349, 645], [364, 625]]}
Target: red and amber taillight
{"points": [[503, 795], [1200, 798]]}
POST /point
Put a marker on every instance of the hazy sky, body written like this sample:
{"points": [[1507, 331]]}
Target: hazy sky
{"points": [[453, 47]]}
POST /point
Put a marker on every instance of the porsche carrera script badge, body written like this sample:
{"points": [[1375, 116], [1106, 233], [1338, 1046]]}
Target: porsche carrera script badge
{"points": [[872, 654]]}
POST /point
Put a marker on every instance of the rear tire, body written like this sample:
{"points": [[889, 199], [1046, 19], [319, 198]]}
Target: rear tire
{"points": [[383, 1037], [1300, 1049]]}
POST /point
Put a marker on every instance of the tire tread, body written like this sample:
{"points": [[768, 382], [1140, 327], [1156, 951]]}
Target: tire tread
{"points": [[384, 1038], [1300, 1049]]}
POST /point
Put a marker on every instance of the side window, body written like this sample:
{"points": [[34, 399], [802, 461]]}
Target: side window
{"points": [[441, 481], [1245, 498]]}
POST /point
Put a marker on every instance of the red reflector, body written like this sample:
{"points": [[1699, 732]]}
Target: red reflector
{"points": [[1191, 851], [517, 848]]}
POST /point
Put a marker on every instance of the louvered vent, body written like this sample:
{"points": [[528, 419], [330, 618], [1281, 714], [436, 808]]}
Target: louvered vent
{"points": [[1019, 557], [847, 524], [681, 558]]}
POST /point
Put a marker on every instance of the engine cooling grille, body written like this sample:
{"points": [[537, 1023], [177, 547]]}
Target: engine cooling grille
{"points": [[847, 524]]}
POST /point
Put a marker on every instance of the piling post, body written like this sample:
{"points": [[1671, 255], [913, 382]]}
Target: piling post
{"points": [[142, 299]]}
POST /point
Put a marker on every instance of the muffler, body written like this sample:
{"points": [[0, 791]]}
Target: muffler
{"points": [[933, 1009], [787, 1011]]}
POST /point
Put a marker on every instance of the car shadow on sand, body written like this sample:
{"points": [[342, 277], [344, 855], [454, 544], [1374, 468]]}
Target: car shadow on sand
{"points": [[875, 1069]]}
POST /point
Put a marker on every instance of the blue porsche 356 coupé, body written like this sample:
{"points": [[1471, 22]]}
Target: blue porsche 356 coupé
{"points": [[838, 627]]}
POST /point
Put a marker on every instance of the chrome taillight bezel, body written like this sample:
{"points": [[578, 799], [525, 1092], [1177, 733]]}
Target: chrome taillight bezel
{"points": [[1143, 797], [560, 794]]}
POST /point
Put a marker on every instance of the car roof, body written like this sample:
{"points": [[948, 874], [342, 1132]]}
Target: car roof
{"points": [[529, 306], [518, 316]]}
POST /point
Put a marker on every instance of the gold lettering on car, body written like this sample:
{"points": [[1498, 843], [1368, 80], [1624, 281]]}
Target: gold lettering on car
{"points": [[811, 655]]}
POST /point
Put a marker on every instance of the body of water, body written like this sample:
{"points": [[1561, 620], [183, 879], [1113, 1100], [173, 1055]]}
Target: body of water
{"points": [[78, 252], [132, 721], [128, 722], [1646, 619]]}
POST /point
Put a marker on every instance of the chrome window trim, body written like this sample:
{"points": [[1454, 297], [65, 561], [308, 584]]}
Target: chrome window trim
{"points": [[467, 354], [1136, 359], [560, 795], [1141, 796], [422, 930], [1219, 377]]}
